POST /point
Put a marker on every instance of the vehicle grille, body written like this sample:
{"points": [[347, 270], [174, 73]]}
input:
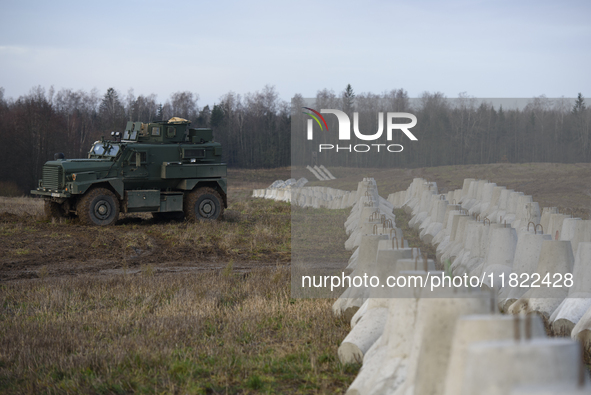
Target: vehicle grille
{"points": [[52, 177]]}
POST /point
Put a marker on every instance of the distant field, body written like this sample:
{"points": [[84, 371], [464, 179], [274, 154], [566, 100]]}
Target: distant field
{"points": [[550, 184]]}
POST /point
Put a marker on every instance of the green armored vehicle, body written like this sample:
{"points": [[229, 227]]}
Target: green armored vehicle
{"points": [[166, 168]]}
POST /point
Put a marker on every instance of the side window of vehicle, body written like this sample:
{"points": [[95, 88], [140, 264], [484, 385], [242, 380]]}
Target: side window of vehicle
{"points": [[156, 131], [170, 132]]}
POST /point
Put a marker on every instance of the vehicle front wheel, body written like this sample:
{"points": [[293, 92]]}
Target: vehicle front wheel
{"points": [[53, 210], [98, 206], [203, 203]]}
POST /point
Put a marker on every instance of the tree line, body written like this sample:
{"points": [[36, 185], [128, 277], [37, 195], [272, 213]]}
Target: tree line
{"points": [[457, 131], [256, 129]]}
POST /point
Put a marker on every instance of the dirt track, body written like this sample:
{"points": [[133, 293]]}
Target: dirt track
{"points": [[30, 248], [254, 233]]}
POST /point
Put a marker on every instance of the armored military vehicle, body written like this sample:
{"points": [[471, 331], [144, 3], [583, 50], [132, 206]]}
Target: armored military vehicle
{"points": [[166, 168]]}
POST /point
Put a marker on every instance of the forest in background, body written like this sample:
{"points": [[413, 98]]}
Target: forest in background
{"points": [[458, 131], [255, 128]]}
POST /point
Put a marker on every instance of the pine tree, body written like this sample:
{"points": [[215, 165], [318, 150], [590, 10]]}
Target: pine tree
{"points": [[581, 126], [579, 106], [111, 111], [348, 99], [217, 116], [204, 116]]}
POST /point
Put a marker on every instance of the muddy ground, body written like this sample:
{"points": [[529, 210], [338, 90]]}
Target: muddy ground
{"points": [[32, 247], [252, 234]]}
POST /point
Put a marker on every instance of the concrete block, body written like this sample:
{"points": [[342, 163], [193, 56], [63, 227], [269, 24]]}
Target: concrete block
{"points": [[471, 329], [495, 367]]}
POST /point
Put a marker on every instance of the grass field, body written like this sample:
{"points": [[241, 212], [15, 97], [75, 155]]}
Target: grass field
{"points": [[169, 307], [215, 332], [163, 307]]}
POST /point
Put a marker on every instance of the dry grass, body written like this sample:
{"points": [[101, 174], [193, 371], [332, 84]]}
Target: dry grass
{"points": [[22, 206], [317, 248], [319, 234], [200, 333], [253, 230], [144, 330]]}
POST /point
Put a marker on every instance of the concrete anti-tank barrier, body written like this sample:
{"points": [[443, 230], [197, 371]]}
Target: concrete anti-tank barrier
{"points": [[400, 340]]}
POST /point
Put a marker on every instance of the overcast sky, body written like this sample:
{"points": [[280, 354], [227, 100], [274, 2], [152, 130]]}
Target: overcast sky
{"points": [[484, 48]]}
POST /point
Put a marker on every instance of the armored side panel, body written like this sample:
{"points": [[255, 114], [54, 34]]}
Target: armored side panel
{"points": [[178, 170], [143, 200], [200, 135], [171, 201]]}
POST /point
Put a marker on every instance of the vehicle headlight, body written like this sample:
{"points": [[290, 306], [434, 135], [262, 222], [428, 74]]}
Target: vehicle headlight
{"points": [[74, 176]]}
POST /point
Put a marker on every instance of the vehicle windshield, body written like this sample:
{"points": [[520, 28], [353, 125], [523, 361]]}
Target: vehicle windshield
{"points": [[104, 149]]}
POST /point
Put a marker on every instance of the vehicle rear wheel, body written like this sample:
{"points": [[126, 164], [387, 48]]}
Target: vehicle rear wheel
{"points": [[203, 203], [98, 206], [53, 210]]}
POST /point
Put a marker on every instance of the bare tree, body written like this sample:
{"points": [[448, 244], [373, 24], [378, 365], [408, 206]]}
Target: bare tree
{"points": [[184, 105]]}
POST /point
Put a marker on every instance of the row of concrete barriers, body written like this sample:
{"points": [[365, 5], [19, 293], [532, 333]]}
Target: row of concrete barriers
{"points": [[450, 341], [315, 197], [497, 234]]}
